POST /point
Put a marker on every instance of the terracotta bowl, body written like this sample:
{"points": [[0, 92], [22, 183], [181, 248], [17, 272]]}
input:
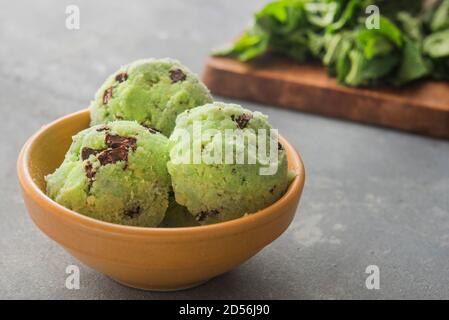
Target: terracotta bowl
{"points": [[147, 258]]}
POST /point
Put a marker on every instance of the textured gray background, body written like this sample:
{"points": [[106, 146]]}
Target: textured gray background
{"points": [[372, 196]]}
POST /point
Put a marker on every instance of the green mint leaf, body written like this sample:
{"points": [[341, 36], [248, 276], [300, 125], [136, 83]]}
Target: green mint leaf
{"points": [[437, 44], [412, 65], [440, 19]]}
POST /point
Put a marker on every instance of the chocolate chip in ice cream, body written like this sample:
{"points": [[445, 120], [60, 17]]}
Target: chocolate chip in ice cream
{"points": [[90, 173], [280, 147], [118, 149], [107, 95], [177, 75], [86, 152], [123, 76], [116, 141], [114, 155], [242, 120], [203, 215]]}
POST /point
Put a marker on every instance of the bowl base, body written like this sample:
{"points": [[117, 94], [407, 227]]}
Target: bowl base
{"points": [[160, 289]]}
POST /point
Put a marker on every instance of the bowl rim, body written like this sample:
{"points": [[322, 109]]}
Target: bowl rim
{"points": [[33, 191]]}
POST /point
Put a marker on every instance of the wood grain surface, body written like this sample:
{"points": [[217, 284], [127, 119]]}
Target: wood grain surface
{"points": [[422, 107]]}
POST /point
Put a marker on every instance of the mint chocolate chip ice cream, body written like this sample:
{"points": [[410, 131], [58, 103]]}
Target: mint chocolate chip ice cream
{"points": [[151, 91], [116, 173], [215, 191]]}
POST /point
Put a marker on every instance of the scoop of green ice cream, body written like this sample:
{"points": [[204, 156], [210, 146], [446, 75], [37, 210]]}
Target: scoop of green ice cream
{"points": [[152, 92], [214, 191], [116, 173]]}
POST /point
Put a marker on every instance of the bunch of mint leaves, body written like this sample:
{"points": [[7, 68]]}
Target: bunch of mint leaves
{"points": [[410, 43]]}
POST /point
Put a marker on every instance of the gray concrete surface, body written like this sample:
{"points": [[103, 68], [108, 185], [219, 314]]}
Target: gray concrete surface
{"points": [[372, 196]]}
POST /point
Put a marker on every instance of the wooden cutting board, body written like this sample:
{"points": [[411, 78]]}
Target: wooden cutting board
{"points": [[421, 107]]}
